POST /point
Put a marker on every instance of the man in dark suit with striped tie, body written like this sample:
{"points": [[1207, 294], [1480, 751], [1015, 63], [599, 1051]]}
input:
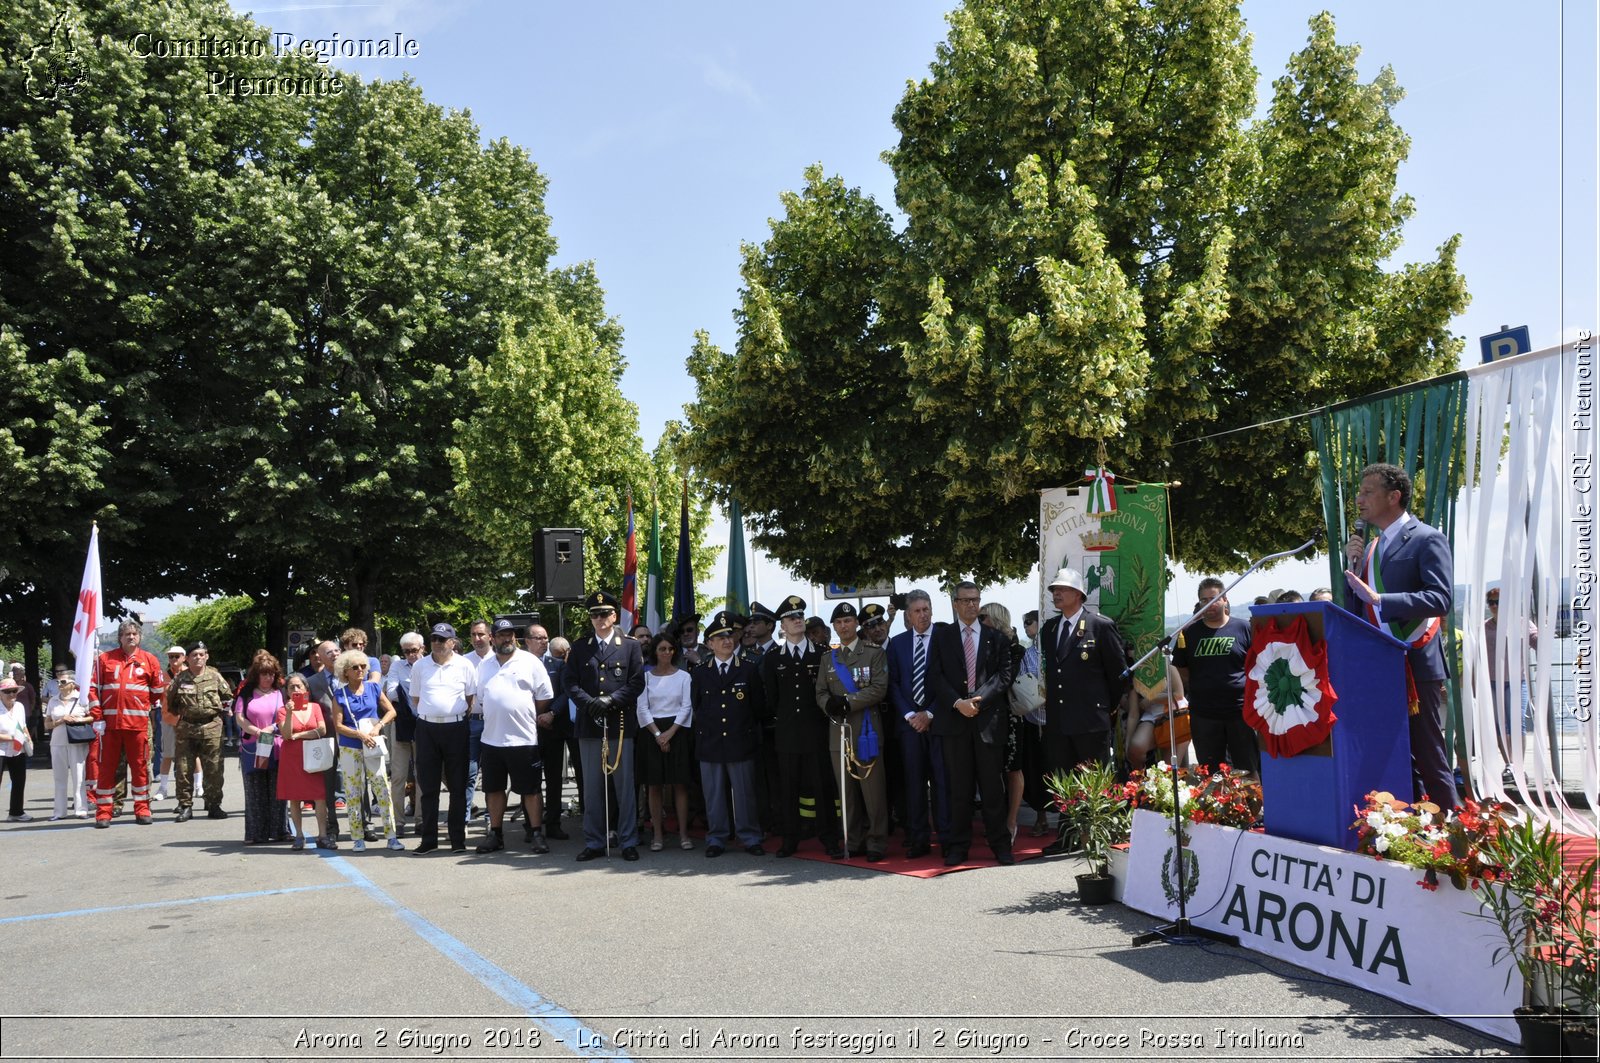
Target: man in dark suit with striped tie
{"points": [[921, 751], [970, 673]]}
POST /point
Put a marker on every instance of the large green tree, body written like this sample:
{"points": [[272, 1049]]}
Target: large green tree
{"points": [[1096, 250], [110, 159]]}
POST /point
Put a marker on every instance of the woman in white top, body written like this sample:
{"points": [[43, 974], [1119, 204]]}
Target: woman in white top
{"points": [[16, 745], [67, 758], [666, 758]]}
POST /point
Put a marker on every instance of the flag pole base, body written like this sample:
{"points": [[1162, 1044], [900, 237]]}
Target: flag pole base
{"points": [[1183, 932]]}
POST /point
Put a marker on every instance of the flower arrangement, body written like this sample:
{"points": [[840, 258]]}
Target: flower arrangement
{"points": [[1422, 836], [1092, 803], [1546, 913], [1222, 796]]}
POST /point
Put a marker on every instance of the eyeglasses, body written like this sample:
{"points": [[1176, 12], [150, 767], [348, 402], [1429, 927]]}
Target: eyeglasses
{"points": [[438, 638], [1492, 601]]}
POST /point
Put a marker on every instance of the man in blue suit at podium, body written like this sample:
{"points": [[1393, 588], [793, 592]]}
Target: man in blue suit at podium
{"points": [[1402, 582]]}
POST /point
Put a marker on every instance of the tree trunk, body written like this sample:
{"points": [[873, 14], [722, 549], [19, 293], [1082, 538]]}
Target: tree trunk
{"points": [[364, 603], [63, 606], [275, 609]]}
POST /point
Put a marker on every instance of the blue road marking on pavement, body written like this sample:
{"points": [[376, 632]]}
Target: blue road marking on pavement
{"points": [[173, 903], [556, 1020]]}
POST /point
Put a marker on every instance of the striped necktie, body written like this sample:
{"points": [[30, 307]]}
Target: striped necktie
{"points": [[919, 668], [970, 645]]}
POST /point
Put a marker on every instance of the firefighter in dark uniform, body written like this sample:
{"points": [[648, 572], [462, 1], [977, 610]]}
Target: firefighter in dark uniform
{"points": [[604, 677], [800, 733], [199, 697], [727, 698]]}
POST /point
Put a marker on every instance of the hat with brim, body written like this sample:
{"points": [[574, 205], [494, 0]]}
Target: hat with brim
{"points": [[794, 605], [601, 602], [721, 624]]}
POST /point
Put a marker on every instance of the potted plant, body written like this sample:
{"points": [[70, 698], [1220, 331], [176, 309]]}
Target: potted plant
{"points": [[1546, 916], [1093, 805]]}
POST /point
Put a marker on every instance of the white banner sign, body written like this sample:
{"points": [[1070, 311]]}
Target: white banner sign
{"points": [[1345, 915]]}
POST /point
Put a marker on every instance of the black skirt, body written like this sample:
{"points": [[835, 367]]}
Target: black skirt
{"points": [[675, 767]]}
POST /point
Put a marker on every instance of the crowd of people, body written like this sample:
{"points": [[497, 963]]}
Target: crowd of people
{"points": [[778, 725]]}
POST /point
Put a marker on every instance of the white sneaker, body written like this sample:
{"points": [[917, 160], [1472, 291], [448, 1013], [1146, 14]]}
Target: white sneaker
{"points": [[359, 845]]}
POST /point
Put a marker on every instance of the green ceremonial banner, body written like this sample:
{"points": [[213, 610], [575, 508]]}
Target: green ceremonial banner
{"points": [[738, 581], [1123, 560]]}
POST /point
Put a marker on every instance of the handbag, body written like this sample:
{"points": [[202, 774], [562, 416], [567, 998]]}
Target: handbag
{"points": [[1025, 695], [80, 733], [375, 753], [316, 754]]}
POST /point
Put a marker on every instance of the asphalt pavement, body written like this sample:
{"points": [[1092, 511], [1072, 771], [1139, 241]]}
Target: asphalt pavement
{"points": [[176, 941]]}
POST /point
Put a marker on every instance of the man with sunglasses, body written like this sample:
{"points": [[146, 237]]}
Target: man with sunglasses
{"points": [[555, 733], [443, 685], [604, 677], [403, 731]]}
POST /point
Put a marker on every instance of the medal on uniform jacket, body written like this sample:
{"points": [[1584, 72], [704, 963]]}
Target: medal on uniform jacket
{"points": [[616, 670], [739, 694], [1085, 655]]}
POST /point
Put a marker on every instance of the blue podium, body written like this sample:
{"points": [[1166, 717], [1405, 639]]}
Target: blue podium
{"points": [[1313, 797]]}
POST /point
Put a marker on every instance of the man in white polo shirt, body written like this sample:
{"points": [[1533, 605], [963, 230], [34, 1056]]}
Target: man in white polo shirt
{"points": [[442, 688], [513, 688]]}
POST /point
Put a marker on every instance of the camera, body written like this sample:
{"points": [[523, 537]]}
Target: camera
{"points": [[897, 602]]}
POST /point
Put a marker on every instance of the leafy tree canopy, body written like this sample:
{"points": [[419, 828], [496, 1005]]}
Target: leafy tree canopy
{"points": [[1100, 247]]}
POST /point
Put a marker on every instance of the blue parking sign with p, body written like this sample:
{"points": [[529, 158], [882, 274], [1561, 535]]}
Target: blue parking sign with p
{"points": [[1512, 341]]}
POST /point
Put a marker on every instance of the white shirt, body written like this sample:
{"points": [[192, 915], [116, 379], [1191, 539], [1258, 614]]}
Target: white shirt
{"points": [[442, 689], [921, 638], [663, 696], [1386, 542], [399, 677], [507, 693], [14, 739]]}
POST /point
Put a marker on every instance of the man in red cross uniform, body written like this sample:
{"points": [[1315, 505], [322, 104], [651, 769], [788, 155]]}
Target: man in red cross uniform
{"points": [[125, 692]]}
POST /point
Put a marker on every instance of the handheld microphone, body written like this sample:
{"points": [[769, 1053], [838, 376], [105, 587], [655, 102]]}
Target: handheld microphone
{"points": [[1359, 528]]}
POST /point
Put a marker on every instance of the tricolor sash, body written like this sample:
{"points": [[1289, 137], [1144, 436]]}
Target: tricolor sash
{"points": [[1414, 633]]}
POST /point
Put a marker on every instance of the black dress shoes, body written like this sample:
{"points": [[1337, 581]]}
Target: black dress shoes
{"points": [[713, 851], [756, 850], [590, 854], [630, 853], [1005, 859], [426, 845], [954, 857], [917, 852], [556, 834], [786, 850], [874, 858], [837, 852]]}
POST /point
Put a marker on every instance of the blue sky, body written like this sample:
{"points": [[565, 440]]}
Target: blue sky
{"points": [[667, 132]]}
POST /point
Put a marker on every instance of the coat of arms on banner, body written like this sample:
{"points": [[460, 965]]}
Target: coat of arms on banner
{"points": [[1122, 557]]}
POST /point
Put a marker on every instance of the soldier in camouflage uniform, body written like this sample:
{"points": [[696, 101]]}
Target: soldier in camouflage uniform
{"points": [[199, 697]]}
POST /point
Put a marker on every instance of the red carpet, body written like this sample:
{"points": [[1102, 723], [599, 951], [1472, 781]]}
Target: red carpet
{"points": [[895, 863]]}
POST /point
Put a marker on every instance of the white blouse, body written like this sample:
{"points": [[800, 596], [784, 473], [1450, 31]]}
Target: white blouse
{"points": [[663, 696], [60, 710]]}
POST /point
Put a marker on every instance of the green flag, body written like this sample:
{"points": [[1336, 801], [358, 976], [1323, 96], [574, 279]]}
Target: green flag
{"points": [[738, 578], [654, 614]]}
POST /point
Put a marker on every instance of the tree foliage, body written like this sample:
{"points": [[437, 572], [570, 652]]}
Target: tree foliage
{"points": [[244, 331], [1099, 247]]}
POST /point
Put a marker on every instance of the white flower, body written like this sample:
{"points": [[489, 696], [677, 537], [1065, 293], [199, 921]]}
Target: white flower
{"points": [[1375, 819], [1381, 843], [1395, 830]]}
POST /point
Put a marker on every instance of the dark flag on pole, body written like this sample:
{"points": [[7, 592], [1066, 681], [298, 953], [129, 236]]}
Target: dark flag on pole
{"points": [[683, 578]]}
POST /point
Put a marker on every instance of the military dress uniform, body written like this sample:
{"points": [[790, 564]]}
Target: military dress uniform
{"points": [[866, 812], [800, 743], [728, 702], [612, 670], [199, 702]]}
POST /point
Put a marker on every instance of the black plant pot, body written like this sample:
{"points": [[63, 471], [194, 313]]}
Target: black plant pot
{"points": [[1540, 1029], [1096, 889], [1578, 1039]]}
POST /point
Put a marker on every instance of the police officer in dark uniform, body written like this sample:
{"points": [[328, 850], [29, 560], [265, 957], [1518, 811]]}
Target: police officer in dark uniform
{"points": [[727, 697], [800, 733], [604, 677], [761, 625]]}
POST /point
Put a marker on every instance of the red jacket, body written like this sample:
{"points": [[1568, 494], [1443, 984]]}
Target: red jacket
{"points": [[125, 688]]}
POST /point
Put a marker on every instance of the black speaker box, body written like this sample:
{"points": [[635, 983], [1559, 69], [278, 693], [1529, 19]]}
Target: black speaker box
{"points": [[558, 565]]}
